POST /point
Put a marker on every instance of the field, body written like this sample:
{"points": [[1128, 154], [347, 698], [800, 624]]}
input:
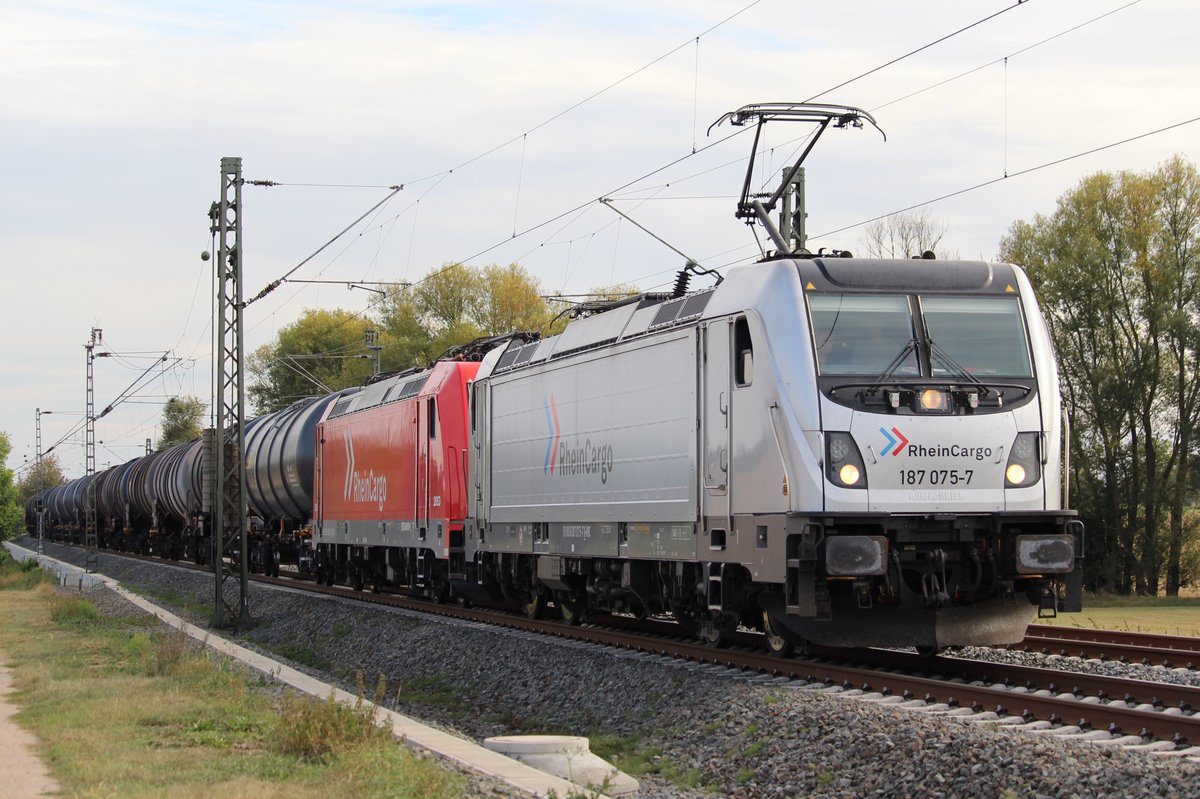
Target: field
{"points": [[1167, 615], [124, 708]]}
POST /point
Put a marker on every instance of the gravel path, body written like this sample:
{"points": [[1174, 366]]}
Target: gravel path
{"points": [[704, 734]]}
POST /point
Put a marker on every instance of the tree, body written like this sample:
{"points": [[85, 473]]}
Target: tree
{"points": [[319, 353], [12, 512], [456, 304], [906, 235], [509, 299], [181, 421], [323, 351], [40, 477], [1117, 270]]}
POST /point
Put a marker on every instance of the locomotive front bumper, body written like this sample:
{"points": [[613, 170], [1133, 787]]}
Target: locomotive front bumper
{"points": [[939, 564]]}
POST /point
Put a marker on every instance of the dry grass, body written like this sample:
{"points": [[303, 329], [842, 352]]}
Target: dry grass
{"points": [[125, 710]]}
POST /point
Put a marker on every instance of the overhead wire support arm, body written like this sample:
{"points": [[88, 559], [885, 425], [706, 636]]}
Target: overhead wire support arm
{"points": [[607, 202], [274, 284]]}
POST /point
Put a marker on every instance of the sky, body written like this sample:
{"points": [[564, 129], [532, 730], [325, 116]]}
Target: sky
{"points": [[505, 123]]}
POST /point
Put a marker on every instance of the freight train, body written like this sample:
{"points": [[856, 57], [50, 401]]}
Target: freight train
{"points": [[832, 450]]}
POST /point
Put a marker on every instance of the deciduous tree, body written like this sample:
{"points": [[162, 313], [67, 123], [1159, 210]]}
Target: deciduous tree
{"points": [[12, 512], [319, 353], [1117, 271], [907, 234], [182, 421]]}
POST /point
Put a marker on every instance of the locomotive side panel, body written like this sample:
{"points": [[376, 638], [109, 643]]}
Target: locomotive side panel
{"points": [[596, 441], [392, 475]]}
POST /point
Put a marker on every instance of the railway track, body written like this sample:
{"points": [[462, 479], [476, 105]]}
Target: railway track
{"points": [[1109, 710], [1170, 651]]}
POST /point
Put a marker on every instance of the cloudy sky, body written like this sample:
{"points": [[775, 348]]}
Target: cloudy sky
{"points": [[505, 122]]}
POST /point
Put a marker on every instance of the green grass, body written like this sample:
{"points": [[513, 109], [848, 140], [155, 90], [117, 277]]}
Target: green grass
{"points": [[636, 758], [437, 690], [174, 599], [301, 654], [121, 709], [1167, 615]]}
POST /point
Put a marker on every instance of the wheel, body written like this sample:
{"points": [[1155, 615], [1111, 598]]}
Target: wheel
{"points": [[356, 580], [571, 609], [779, 640], [929, 651], [535, 604], [717, 631]]}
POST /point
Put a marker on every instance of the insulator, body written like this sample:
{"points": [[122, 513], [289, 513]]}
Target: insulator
{"points": [[682, 280]]}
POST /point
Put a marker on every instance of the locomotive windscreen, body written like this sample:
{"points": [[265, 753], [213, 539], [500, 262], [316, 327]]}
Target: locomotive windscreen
{"points": [[985, 335], [862, 334], [874, 334]]}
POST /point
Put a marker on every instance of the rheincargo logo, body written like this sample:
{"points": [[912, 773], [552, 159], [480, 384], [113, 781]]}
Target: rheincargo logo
{"points": [[360, 487], [952, 451], [586, 459], [569, 460]]}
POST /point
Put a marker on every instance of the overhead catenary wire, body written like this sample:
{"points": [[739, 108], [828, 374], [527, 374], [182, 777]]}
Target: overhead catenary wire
{"points": [[1018, 173], [274, 284], [523, 136], [923, 47], [516, 233], [695, 152]]}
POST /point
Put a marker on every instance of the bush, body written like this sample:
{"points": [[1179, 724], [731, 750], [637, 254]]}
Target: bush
{"points": [[167, 654], [72, 611], [318, 731], [24, 576]]}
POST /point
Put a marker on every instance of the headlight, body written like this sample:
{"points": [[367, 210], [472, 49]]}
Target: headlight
{"points": [[1024, 462], [933, 400], [843, 462]]}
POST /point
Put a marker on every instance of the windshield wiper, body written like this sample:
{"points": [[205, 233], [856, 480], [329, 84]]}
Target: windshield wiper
{"points": [[891, 368], [955, 368]]}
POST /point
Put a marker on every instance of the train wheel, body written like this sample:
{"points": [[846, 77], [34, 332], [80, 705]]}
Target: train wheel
{"points": [[717, 631], [356, 579], [571, 609], [780, 641], [929, 651], [535, 604]]}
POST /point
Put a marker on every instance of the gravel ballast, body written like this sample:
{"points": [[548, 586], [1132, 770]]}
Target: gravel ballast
{"points": [[705, 732]]}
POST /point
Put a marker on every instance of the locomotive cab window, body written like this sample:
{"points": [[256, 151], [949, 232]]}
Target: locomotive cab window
{"points": [[743, 353], [980, 335], [863, 334], [432, 417]]}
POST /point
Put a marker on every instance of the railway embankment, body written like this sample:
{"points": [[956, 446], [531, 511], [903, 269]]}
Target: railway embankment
{"points": [[683, 729]]}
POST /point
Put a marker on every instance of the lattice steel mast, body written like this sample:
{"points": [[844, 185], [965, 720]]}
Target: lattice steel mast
{"points": [[90, 537], [229, 522]]}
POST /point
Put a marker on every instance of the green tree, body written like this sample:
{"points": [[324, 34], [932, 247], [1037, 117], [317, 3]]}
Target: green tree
{"points": [[40, 476], [456, 304], [319, 353], [12, 511], [181, 421], [1116, 268], [509, 299], [323, 351]]}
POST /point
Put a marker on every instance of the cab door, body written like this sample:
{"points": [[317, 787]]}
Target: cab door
{"points": [[717, 427]]}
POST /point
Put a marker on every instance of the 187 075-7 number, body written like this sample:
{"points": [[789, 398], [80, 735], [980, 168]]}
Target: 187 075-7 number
{"points": [[936, 477]]}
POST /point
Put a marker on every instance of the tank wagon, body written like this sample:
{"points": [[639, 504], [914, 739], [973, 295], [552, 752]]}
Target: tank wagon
{"points": [[154, 504]]}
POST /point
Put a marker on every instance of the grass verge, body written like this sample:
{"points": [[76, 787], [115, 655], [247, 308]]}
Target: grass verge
{"points": [[123, 709], [1165, 615]]}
